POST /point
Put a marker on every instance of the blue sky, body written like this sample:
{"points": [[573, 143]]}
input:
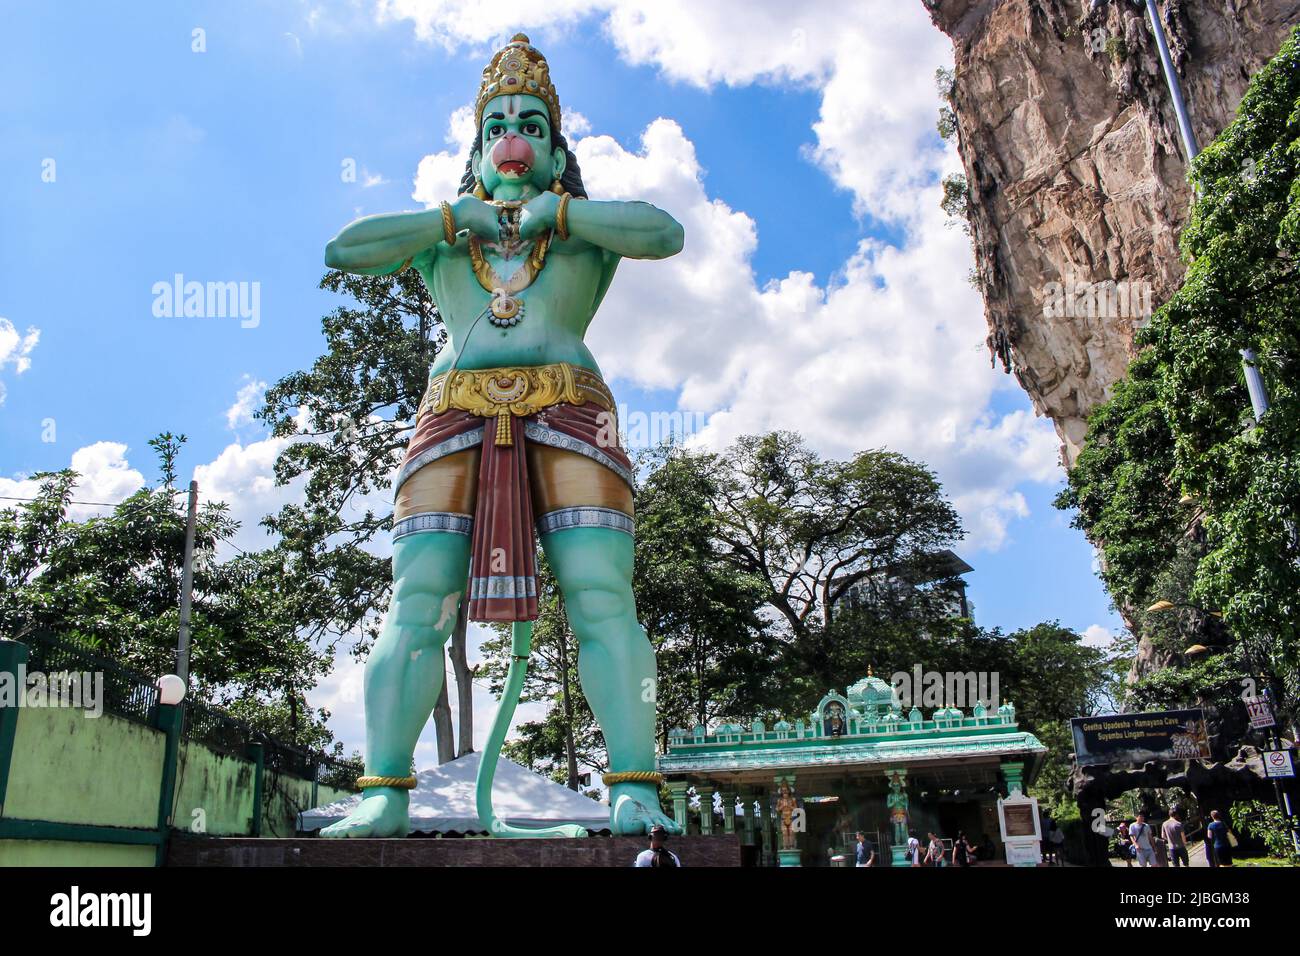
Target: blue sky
{"points": [[820, 288]]}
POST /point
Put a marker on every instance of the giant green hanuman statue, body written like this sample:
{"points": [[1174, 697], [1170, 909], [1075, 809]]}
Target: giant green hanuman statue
{"points": [[516, 431]]}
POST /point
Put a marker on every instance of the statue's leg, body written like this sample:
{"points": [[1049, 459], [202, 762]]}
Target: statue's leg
{"points": [[405, 670], [591, 556]]}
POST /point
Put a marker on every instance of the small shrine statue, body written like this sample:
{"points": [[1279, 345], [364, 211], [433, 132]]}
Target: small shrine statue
{"points": [[835, 720], [897, 803], [785, 808]]}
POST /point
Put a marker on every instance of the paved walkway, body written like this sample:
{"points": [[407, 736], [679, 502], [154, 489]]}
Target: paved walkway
{"points": [[1195, 856]]}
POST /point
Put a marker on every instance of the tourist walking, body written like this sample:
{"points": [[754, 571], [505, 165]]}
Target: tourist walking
{"points": [[961, 850], [913, 849], [1057, 837], [934, 855], [1219, 839], [864, 854], [1175, 837], [1125, 846], [1143, 838]]}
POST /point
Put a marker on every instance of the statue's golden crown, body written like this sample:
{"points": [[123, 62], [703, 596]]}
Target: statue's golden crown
{"points": [[518, 68]]}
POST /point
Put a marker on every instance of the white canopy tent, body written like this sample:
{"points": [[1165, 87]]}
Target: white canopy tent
{"points": [[443, 801]]}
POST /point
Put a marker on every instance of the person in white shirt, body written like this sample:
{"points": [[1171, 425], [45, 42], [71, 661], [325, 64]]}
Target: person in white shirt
{"points": [[914, 849], [1143, 838], [658, 854]]}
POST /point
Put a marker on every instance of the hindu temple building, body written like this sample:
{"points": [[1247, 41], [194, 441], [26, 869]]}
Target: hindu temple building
{"points": [[857, 762]]}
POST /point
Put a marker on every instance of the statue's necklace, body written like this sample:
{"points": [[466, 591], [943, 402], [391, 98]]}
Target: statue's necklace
{"points": [[506, 309]]}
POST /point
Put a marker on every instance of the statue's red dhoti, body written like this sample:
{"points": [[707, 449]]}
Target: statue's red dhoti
{"points": [[473, 417]]}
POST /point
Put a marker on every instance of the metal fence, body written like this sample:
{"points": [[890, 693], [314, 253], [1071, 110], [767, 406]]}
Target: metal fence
{"points": [[126, 693], [134, 697]]}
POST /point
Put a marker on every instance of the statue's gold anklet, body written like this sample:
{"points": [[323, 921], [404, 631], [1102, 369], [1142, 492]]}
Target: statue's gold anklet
{"points": [[401, 783]]}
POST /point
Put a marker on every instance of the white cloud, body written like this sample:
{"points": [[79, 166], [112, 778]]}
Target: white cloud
{"points": [[247, 401], [16, 349], [438, 175], [1096, 635], [104, 473], [874, 68]]}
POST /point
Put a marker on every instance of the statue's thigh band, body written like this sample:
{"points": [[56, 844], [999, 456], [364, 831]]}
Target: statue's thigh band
{"points": [[445, 521], [584, 516]]}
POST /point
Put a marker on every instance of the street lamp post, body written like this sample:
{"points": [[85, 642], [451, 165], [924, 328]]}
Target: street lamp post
{"points": [[1254, 381]]}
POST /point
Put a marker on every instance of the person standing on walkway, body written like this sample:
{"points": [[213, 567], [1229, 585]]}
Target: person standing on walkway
{"points": [[913, 849], [934, 853], [961, 850], [1143, 838], [1172, 830], [1125, 846], [864, 854], [1216, 835], [658, 854]]}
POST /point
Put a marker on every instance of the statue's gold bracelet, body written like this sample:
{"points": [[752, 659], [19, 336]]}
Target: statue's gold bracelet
{"points": [[562, 217], [448, 223]]}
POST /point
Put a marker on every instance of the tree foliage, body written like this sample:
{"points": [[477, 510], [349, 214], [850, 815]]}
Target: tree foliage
{"points": [[112, 583]]}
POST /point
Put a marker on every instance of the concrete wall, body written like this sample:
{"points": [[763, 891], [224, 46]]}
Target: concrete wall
{"points": [[70, 768], [107, 771]]}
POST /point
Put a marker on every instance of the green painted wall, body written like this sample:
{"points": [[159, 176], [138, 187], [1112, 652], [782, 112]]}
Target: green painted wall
{"points": [[70, 768], [106, 771], [222, 787], [67, 853]]}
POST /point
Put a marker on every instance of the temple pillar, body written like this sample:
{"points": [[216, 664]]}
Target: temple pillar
{"points": [[1013, 774], [728, 809], [681, 801], [705, 793], [747, 802]]}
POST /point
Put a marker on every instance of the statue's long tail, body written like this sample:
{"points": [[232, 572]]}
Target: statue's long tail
{"points": [[521, 639]]}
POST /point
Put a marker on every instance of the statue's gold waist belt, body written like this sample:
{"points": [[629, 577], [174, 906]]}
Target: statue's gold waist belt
{"points": [[514, 391]]}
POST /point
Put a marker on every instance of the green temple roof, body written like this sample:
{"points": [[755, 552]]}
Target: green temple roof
{"points": [[864, 727]]}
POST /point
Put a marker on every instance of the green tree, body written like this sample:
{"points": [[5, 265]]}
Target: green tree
{"points": [[112, 584], [823, 536]]}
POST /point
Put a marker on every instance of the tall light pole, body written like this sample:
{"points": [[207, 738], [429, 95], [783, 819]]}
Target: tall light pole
{"points": [[187, 588], [1254, 381]]}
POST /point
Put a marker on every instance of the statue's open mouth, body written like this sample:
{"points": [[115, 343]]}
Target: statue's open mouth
{"points": [[513, 167]]}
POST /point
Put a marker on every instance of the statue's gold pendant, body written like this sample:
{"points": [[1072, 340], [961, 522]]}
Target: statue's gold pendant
{"points": [[506, 310]]}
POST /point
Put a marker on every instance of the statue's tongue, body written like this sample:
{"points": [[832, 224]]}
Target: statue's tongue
{"points": [[513, 155]]}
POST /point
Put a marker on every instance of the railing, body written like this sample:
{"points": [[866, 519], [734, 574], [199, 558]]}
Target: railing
{"points": [[126, 693]]}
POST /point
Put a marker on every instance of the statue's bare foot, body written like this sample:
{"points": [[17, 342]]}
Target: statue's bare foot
{"points": [[383, 813], [634, 809]]}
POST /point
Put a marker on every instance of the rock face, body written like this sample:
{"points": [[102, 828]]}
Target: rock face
{"points": [[1077, 175]]}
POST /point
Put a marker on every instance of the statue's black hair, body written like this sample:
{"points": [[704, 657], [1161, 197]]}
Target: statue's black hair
{"points": [[571, 180]]}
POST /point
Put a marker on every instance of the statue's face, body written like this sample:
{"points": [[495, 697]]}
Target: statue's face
{"points": [[517, 149]]}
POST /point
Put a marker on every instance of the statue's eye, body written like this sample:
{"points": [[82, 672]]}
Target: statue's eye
{"points": [[495, 131], [532, 129]]}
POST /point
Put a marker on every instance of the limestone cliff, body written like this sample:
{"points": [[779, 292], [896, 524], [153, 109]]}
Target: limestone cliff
{"points": [[1076, 173]]}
